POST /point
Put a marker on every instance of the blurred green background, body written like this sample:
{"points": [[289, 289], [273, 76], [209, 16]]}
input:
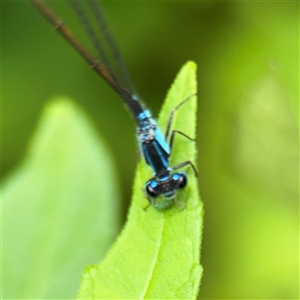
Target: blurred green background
{"points": [[248, 59]]}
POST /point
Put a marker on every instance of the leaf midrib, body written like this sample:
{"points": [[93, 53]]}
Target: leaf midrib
{"points": [[154, 264]]}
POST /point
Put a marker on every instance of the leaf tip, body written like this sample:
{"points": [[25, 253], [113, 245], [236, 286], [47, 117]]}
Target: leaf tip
{"points": [[191, 65]]}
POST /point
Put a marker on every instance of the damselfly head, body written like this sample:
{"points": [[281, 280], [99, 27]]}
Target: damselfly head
{"points": [[162, 191]]}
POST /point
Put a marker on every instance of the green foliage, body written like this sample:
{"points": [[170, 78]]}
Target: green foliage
{"points": [[247, 53], [157, 254], [60, 207], [60, 213]]}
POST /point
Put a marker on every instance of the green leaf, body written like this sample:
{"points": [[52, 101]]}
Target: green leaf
{"points": [[157, 256], [58, 214]]}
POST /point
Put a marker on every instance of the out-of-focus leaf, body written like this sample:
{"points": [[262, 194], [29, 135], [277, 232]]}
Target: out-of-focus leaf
{"points": [[59, 207]]}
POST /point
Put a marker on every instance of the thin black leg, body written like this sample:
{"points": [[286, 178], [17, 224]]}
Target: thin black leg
{"points": [[172, 115], [185, 163], [179, 132], [149, 202]]}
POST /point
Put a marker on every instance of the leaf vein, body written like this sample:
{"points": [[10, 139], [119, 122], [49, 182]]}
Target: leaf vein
{"points": [[156, 255]]}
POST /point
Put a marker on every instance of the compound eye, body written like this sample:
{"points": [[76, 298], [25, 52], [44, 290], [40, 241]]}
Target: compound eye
{"points": [[180, 179], [152, 188]]}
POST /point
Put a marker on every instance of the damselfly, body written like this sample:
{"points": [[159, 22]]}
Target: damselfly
{"points": [[156, 148]]}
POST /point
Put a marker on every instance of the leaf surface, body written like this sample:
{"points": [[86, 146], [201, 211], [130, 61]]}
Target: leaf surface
{"points": [[157, 256], [59, 212]]}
